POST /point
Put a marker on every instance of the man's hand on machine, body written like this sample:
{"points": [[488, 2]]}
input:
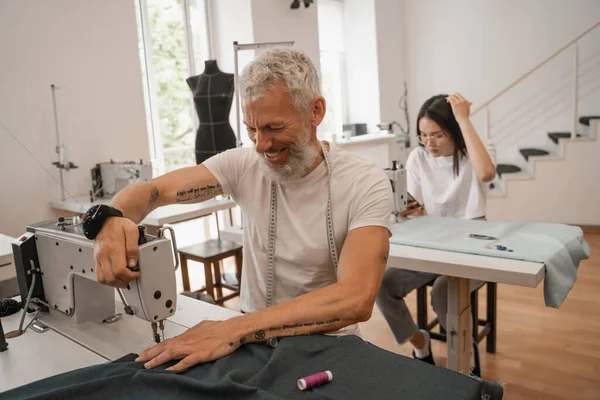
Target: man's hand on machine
{"points": [[116, 249], [204, 342]]}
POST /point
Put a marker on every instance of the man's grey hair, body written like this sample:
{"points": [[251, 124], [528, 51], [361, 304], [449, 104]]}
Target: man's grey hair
{"points": [[292, 68]]}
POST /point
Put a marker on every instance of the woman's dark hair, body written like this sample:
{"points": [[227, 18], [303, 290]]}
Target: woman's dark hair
{"points": [[439, 111]]}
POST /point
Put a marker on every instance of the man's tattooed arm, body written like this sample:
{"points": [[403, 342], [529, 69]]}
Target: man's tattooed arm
{"points": [[151, 202], [332, 307], [185, 185], [198, 193], [137, 200], [305, 329]]}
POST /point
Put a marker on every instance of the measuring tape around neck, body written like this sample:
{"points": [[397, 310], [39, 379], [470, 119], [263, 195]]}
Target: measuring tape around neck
{"points": [[273, 231]]}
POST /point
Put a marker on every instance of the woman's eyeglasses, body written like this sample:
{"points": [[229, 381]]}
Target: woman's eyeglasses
{"points": [[435, 137]]}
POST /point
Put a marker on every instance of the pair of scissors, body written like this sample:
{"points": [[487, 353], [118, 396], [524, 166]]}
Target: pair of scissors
{"points": [[482, 237]]}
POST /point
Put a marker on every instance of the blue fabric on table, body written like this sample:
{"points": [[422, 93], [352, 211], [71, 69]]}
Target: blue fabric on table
{"points": [[560, 247]]}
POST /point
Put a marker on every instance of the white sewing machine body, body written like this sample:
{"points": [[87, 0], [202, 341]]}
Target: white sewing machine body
{"points": [[397, 176], [73, 303], [108, 178]]}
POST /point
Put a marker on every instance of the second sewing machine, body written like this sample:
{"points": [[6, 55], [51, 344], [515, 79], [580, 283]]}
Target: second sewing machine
{"points": [[108, 178]]}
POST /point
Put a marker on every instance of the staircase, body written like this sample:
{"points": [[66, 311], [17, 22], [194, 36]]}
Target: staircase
{"points": [[555, 103], [589, 126]]}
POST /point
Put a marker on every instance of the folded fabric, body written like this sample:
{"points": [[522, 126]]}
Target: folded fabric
{"points": [[258, 371], [560, 247]]}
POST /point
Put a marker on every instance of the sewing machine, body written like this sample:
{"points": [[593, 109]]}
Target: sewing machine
{"points": [[397, 177], [56, 276], [109, 178]]}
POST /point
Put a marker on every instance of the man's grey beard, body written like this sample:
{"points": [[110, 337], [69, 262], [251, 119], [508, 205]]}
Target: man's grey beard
{"points": [[301, 159]]}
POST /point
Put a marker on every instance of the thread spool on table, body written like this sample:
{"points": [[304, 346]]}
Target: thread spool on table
{"points": [[318, 379]]}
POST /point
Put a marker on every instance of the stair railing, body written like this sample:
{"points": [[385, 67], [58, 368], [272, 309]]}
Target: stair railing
{"points": [[575, 74], [536, 112]]}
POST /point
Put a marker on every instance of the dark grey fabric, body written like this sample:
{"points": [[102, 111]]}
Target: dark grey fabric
{"points": [[257, 371]]}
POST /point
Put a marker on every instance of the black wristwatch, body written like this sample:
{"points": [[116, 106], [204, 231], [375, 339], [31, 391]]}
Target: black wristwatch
{"points": [[94, 219]]}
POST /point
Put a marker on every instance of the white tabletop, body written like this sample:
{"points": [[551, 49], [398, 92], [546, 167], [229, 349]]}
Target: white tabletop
{"points": [[471, 266], [370, 138], [461, 265], [183, 212], [33, 356], [7, 269], [6, 256], [233, 233], [165, 215]]}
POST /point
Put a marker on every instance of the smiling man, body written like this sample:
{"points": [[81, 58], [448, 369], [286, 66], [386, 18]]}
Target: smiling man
{"points": [[316, 219]]}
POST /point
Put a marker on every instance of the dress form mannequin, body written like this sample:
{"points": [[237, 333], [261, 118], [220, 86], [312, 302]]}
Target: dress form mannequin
{"points": [[213, 95]]}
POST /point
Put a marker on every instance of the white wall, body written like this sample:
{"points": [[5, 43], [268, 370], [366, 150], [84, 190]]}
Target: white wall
{"points": [[480, 47], [257, 21], [90, 49], [275, 21], [231, 20], [565, 191], [389, 17], [361, 63]]}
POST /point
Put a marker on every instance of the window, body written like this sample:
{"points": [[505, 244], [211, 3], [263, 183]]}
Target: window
{"points": [[331, 44], [170, 49], [173, 45]]}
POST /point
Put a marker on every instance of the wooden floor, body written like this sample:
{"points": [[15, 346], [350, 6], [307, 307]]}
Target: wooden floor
{"points": [[542, 353]]}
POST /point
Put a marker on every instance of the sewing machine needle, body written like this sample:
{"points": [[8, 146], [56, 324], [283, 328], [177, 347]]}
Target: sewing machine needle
{"points": [[155, 333], [161, 325]]}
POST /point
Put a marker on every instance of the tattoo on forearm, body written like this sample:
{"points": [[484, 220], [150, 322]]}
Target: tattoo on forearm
{"points": [[198, 193], [152, 202], [331, 321], [260, 335], [311, 333]]}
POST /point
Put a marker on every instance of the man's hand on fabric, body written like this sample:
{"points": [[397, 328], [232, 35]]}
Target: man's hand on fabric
{"points": [[204, 342]]}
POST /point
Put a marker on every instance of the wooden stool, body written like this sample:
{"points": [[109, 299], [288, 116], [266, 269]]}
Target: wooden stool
{"points": [[211, 253]]}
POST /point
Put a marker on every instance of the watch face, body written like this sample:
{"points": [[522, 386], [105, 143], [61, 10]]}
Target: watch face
{"points": [[93, 213], [93, 220]]}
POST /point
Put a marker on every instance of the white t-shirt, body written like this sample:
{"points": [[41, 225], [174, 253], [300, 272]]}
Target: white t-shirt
{"points": [[360, 196], [431, 181]]}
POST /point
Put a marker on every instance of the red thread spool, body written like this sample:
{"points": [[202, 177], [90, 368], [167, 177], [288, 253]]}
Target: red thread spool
{"points": [[318, 379]]}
